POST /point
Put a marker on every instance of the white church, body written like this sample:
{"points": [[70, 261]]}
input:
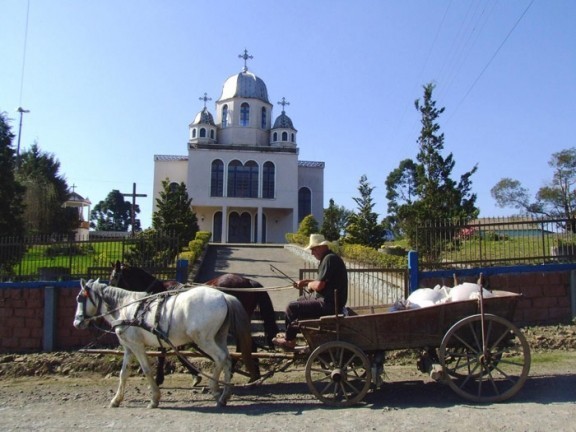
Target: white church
{"points": [[242, 169]]}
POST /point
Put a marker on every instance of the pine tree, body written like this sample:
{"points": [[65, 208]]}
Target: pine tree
{"points": [[335, 221], [11, 191], [363, 227], [12, 199], [433, 194], [174, 212]]}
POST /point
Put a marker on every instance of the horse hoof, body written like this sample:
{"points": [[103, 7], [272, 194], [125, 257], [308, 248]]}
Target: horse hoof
{"points": [[152, 405], [221, 403], [114, 404], [196, 380]]}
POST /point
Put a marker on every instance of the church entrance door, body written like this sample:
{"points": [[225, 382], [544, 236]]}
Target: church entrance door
{"points": [[239, 228]]}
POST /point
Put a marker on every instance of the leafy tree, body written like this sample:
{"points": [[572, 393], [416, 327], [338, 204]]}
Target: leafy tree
{"points": [[335, 221], [423, 191], [363, 227], [12, 199], [46, 193], [174, 212], [114, 214], [557, 199]]}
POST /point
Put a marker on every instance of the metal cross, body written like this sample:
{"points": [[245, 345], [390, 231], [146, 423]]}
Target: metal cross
{"points": [[283, 102], [133, 209], [205, 98], [245, 56]]}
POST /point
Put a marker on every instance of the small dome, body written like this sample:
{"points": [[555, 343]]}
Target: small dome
{"points": [[283, 121], [204, 117], [245, 85]]}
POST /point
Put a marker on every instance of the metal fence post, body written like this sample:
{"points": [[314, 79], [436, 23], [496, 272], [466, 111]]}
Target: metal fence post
{"points": [[49, 319], [182, 271], [412, 271]]}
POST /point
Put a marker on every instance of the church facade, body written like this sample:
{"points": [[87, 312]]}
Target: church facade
{"points": [[242, 169]]}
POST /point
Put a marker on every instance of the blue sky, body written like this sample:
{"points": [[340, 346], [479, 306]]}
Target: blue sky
{"points": [[109, 84]]}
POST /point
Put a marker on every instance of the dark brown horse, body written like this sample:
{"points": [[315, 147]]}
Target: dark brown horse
{"points": [[137, 279], [239, 286]]}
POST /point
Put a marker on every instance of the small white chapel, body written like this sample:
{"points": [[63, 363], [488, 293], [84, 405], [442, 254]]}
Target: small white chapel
{"points": [[242, 169]]}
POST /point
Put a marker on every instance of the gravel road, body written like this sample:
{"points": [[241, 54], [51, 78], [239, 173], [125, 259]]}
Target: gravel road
{"points": [[408, 401]]}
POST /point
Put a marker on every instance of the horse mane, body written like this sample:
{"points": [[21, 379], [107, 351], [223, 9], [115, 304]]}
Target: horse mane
{"points": [[136, 276], [113, 293]]}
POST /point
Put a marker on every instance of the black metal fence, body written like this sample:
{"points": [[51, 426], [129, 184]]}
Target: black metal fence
{"points": [[53, 258], [496, 241]]}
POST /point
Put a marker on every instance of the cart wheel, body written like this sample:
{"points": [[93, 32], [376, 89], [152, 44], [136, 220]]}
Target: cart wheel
{"points": [[491, 374], [338, 374]]}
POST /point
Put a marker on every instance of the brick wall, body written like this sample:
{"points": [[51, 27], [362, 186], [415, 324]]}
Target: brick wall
{"points": [[25, 325], [546, 296], [22, 321]]}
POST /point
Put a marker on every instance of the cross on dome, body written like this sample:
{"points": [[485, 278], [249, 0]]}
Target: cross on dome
{"points": [[283, 102], [205, 98], [246, 57]]}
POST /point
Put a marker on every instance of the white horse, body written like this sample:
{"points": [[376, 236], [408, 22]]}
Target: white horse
{"points": [[201, 315]]}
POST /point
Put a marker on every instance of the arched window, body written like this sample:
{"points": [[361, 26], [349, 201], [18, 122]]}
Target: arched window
{"points": [[225, 116], [304, 203], [217, 179], [263, 119], [211, 133], [292, 137], [243, 179], [275, 136], [194, 133], [268, 178], [244, 114], [284, 136], [202, 133]]}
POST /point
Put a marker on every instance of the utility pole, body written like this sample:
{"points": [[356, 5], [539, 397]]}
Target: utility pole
{"points": [[22, 111], [133, 208]]}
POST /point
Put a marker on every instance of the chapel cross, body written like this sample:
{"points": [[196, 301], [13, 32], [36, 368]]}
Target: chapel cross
{"points": [[205, 98], [245, 56], [283, 102], [133, 208]]}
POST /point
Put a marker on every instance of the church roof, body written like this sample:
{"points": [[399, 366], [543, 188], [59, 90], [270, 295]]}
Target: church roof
{"points": [[170, 158], [311, 164], [245, 85], [283, 121], [204, 117]]}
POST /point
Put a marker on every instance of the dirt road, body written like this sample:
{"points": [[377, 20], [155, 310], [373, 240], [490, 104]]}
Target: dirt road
{"points": [[408, 401]]}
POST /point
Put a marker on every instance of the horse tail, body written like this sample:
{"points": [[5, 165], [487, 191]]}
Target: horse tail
{"points": [[240, 326]]}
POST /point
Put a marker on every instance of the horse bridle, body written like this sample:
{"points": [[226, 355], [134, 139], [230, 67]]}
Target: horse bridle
{"points": [[83, 297]]}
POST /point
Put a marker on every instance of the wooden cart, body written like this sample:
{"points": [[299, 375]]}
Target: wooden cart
{"points": [[479, 353]]}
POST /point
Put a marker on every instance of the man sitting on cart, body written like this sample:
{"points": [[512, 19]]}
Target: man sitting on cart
{"points": [[332, 278]]}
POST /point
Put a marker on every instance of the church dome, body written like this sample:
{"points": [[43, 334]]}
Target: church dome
{"points": [[245, 85], [204, 117], [283, 121]]}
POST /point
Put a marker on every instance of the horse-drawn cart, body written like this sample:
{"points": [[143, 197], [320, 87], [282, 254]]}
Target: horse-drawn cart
{"points": [[472, 345]]}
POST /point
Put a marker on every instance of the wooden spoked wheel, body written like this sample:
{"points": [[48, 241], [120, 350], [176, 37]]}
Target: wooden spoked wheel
{"points": [[338, 373], [485, 360]]}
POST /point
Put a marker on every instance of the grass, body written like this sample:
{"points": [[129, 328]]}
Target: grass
{"points": [[77, 257]]}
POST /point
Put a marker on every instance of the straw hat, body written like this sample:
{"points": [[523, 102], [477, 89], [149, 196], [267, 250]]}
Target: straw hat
{"points": [[317, 240]]}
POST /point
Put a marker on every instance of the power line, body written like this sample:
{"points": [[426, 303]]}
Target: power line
{"points": [[24, 52], [491, 59]]}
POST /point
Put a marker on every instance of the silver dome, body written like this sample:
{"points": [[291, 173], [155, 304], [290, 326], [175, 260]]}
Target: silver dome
{"points": [[283, 121], [204, 117], [245, 85]]}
